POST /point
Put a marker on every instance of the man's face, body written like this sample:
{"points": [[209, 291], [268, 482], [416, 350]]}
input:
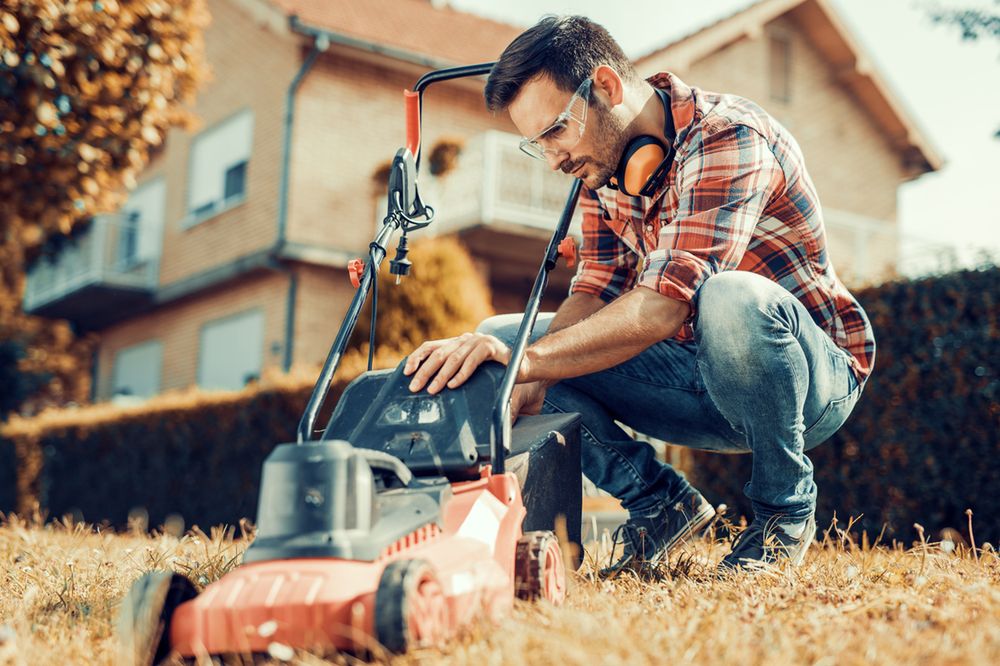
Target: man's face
{"points": [[595, 158]]}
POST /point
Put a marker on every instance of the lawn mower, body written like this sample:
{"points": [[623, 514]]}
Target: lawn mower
{"points": [[405, 519]]}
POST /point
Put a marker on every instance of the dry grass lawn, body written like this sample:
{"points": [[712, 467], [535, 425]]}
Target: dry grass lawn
{"points": [[848, 604]]}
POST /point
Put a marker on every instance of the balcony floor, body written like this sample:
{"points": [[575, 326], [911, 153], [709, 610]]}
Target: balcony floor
{"points": [[96, 306]]}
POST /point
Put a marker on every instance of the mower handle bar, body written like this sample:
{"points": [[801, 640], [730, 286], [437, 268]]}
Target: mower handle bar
{"points": [[388, 463], [376, 248], [500, 433], [376, 254], [414, 98]]}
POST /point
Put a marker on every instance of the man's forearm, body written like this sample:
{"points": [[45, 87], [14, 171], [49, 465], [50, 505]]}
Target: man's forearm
{"points": [[575, 308], [606, 337]]}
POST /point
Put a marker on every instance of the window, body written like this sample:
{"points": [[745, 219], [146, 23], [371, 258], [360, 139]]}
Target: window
{"points": [[219, 159], [140, 225], [780, 46], [232, 351], [235, 181], [136, 372]]}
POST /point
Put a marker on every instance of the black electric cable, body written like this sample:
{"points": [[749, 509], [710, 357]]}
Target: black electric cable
{"points": [[371, 334]]}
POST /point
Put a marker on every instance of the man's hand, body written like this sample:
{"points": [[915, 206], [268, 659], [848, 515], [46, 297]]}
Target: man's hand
{"points": [[527, 399], [452, 361]]}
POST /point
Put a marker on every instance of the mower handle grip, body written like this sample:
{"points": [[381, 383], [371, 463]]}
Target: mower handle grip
{"points": [[388, 463], [412, 121]]}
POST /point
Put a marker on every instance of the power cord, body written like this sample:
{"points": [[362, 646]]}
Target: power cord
{"points": [[374, 316]]}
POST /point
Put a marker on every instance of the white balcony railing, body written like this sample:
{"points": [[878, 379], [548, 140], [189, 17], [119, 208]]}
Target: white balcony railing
{"points": [[497, 185], [107, 254], [866, 250]]}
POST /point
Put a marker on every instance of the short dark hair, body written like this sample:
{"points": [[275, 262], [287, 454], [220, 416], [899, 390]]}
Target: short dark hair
{"points": [[566, 48]]}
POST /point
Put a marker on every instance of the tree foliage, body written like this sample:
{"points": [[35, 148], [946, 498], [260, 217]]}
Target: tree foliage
{"points": [[974, 22], [87, 90], [443, 296]]}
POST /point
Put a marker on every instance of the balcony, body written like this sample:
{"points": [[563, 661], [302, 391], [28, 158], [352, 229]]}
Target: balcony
{"points": [[867, 251], [99, 277], [504, 206], [496, 186]]}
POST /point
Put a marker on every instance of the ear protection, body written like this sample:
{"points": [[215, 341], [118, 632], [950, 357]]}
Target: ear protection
{"points": [[646, 161]]}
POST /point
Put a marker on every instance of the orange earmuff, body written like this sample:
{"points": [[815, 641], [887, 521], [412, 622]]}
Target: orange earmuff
{"points": [[641, 158], [644, 164]]}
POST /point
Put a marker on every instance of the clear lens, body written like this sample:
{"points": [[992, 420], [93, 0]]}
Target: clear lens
{"points": [[565, 132], [532, 149]]}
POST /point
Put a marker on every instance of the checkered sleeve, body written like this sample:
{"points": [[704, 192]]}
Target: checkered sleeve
{"points": [[607, 266], [725, 182]]}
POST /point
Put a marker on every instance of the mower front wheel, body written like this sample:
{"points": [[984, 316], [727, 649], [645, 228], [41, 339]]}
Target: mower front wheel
{"points": [[145, 614], [539, 572], [410, 607]]}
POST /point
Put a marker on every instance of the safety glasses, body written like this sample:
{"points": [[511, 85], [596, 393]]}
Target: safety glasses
{"points": [[567, 130]]}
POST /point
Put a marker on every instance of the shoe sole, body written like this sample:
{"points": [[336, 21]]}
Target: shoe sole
{"points": [[725, 570], [697, 523]]}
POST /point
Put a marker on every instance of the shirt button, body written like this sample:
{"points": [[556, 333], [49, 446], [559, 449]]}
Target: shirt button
{"points": [[649, 228]]}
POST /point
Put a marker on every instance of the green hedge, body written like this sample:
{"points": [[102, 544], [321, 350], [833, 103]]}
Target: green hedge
{"points": [[201, 461], [921, 446], [923, 443], [8, 477], [204, 464]]}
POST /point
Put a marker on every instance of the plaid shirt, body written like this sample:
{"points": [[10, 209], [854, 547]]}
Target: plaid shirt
{"points": [[737, 197]]}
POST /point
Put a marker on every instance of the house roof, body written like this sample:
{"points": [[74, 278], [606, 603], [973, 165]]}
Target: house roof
{"points": [[441, 35], [828, 34], [416, 27]]}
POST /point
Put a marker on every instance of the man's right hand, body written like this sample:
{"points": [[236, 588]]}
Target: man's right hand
{"points": [[527, 399]]}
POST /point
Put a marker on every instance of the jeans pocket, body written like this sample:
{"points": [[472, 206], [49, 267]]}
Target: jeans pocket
{"points": [[833, 416]]}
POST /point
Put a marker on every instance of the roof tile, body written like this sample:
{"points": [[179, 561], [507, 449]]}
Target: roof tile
{"points": [[410, 25]]}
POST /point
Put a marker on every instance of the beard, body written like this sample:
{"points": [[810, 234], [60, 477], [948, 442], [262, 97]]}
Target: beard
{"points": [[610, 136]]}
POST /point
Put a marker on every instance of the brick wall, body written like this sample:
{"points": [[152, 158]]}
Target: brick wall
{"points": [[349, 122], [178, 327], [252, 66], [322, 298]]}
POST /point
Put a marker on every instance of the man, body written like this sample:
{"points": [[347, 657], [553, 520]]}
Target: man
{"points": [[705, 312]]}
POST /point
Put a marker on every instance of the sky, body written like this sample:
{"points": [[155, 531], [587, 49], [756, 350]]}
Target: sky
{"points": [[950, 87]]}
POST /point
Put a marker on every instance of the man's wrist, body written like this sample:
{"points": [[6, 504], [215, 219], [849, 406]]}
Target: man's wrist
{"points": [[527, 373]]}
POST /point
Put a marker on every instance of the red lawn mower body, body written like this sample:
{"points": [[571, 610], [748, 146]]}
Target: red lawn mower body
{"points": [[330, 603]]}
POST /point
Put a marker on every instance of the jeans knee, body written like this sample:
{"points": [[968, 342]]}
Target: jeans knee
{"points": [[732, 306], [502, 326], [736, 317], [505, 326]]}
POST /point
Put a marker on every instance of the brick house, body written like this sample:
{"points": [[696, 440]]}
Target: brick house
{"points": [[230, 257]]}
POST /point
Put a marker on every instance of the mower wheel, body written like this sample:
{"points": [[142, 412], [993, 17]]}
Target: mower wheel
{"points": [[539, 572], [145, 614], [410, 607]]}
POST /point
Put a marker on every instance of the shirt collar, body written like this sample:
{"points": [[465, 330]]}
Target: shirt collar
{"points": [[682, 104]]}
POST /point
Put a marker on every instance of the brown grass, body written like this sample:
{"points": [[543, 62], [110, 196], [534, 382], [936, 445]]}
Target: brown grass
{"points": [[848, 604]]}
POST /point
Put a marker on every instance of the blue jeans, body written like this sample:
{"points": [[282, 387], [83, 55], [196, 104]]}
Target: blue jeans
{"points": [[760, 377]]}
